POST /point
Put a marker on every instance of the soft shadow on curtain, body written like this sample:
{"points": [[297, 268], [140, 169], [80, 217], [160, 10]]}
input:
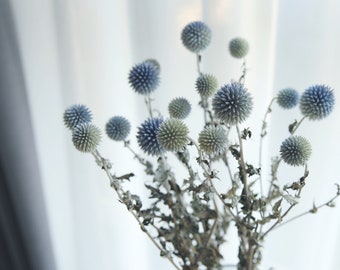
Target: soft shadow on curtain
{"points": [[25, 242], [81, 51]]}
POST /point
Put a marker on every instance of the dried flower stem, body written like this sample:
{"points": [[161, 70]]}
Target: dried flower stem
{"points": [[104, 164], [262, 135], [148, 101], [311, 211], [288, 210], [242, 163]]}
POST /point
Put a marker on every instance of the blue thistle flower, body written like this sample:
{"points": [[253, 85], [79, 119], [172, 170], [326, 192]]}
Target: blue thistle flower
{"points": [[77, 114], [144, 77], [86, 137], [296, 150], [238, 47], [172, 135], [147, 137], [206, 85], [179, 108], [317, 102], [288, 98], [117, 128], [196, 36], [212, 140], [232, 103]]}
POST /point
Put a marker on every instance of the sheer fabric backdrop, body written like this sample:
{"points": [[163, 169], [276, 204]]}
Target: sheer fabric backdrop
{"points": [[80, 51]]}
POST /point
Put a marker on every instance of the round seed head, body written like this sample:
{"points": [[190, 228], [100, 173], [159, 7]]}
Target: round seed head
{"points": [[117, 128], [317, 102], [238, 47], [172, 135], [206, 85], [77, 114], [296, 150], [288, 98], [86, 137], [147, 137], [212, 140], [144, 77], [196, 36], [179, 108], [232, 103]]}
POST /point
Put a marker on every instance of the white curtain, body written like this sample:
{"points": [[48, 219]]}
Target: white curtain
{"points": [[80, 51]]}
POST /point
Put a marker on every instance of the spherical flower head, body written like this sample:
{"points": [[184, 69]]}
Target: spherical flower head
{"points": [[86, 137], [179, 108], [144, 77], [296, 150], [172, 135], [118, 128], [232, 103], [212, 140], [196, 36], [288, 98], [238, 47], [77, 114], [147, 137], [206, 85], [317, 102]]}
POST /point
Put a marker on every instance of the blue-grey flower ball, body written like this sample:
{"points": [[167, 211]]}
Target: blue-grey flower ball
{"points": [[296, 150], [173, 135], [86, 137], [232, 103], [212, 140], [238, 47], [196, 36], [147, 137], [118, 128], [179, 108], [144, 77], [288, 98], [77, 114], [317, 102], [206, 85]]}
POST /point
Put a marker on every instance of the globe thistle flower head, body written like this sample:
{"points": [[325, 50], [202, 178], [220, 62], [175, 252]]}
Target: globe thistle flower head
{"points": [[317, 102], [117, 128], [238, 47], [212, 140], [288, 98], [206, 85], [172, 135], [77, 114], [86, 137], [296, 150], [179, 108], [196, 36], [147, 137], [232, 103], [144, 77]]}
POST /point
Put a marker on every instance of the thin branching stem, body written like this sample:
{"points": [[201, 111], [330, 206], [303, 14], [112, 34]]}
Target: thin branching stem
{"points": [[198, 63], [297, 125], [263, 134], [104, 164], [242, 163], [288, 210], [148, 101], [311, 211]]}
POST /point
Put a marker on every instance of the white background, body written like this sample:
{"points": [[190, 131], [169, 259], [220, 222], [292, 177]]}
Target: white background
{"points": [[80, 51]]}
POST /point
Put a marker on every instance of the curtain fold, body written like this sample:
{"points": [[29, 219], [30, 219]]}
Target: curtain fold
{"points": [[25, 240]]}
